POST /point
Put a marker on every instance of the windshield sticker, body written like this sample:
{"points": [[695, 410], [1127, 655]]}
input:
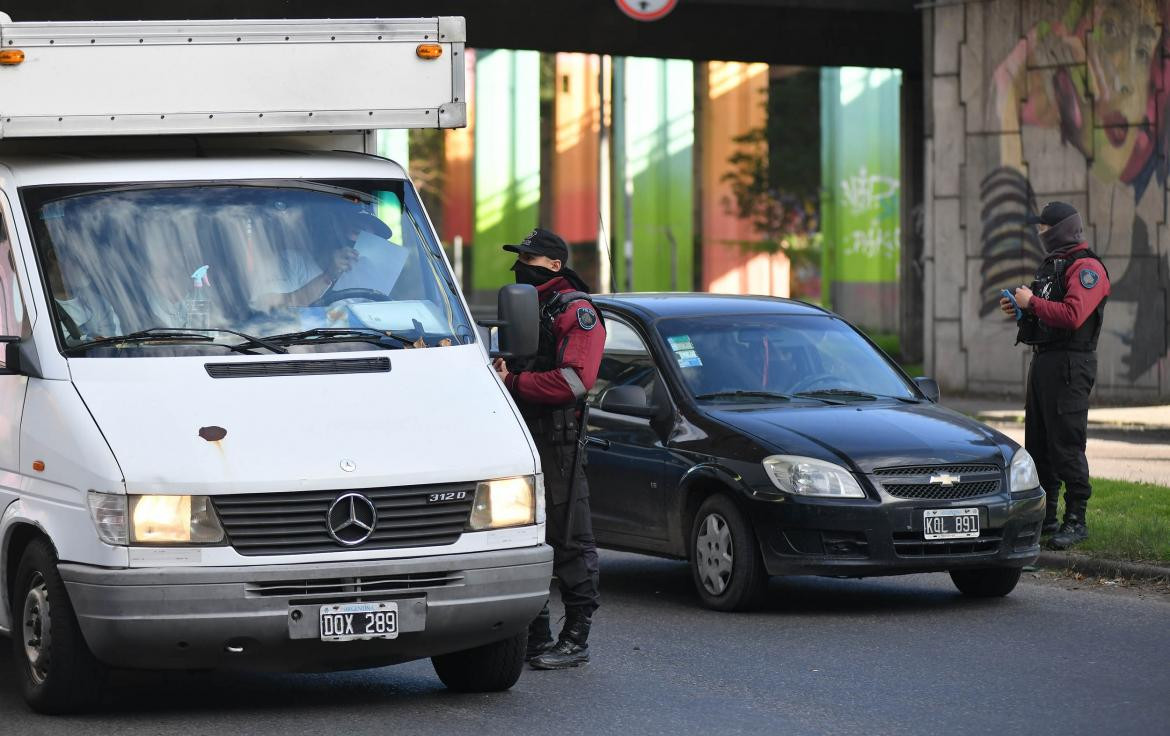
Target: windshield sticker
{"points": [[53, 211], [689, 362], [680, 342]]}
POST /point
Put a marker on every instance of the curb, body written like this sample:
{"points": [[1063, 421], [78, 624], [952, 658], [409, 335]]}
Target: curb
{"points": [[1077, 562]]}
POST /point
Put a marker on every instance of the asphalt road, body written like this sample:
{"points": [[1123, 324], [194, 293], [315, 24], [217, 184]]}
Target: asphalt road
{"points": [[897, 655]]}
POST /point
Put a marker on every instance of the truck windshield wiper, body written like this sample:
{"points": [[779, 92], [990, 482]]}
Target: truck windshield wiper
{"points": [[337, 334], [749, 394], [834, 392], [172, 334]]}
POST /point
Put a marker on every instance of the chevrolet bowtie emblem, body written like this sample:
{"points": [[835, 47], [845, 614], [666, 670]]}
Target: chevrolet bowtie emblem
{"points": [[944, 479]]}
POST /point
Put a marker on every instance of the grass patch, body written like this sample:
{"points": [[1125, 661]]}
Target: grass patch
{"points": [[1128, 521]]}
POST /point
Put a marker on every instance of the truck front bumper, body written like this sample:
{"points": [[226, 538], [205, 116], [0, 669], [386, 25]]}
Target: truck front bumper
{"points": [[266, 618]]}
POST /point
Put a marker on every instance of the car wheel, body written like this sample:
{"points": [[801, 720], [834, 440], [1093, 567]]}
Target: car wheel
{"points": [[490, 668], [991, 582], [56, 671], [725, 557]]}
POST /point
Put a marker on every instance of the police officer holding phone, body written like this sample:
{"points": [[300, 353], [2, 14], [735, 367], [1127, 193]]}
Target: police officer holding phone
{"points": [[1060, 316], [550, 392]]}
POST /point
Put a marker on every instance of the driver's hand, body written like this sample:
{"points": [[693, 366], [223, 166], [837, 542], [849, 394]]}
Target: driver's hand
{"points": [[501, 368], [343, 260]]}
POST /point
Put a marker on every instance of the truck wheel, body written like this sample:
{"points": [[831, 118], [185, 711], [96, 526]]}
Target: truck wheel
{"points": [[991, 582], [726, 566], [54, 668], [486, 669]]}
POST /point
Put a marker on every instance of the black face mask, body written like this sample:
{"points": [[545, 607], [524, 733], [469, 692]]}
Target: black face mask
{"points": [[526, 273]]}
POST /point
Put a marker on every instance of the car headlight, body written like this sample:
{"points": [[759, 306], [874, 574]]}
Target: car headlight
{"points": [[806, 476], [502, 503], [155, 520], [1023, 472]]}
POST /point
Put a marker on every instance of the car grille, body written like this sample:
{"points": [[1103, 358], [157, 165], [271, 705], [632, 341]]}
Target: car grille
{"points": [[343, 590], [937, 492], [911, 544], [913, 481], [935, 470], [295, 523]]}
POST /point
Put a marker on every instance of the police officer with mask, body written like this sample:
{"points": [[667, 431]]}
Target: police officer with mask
{"points": [[550, 392], [1061, 316]]}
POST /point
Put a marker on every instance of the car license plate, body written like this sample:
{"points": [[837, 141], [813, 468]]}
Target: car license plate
{"points": [[354, 621], [950, 523]]}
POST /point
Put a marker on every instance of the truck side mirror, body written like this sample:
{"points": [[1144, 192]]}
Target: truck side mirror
{"points": [[12, 361], [518, 308], [928, 386], [630, 400]]}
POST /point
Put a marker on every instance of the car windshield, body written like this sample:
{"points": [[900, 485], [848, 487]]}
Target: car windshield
{"points": [[324, 265], [753, 358]]}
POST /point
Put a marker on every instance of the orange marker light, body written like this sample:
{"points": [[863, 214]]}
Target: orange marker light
{"points": [[38, 465], [11, 57], [429, 50]]}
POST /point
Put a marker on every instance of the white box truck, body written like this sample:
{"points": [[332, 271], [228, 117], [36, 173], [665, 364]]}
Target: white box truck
{"points": [[245, 418]]}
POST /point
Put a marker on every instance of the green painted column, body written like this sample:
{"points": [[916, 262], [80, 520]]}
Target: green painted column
{"points": [[860, 214], [507, 159], [654, 132]]}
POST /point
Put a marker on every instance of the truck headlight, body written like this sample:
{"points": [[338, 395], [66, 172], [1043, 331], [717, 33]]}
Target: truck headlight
{"points": [[503, 503], [807, 476], [1023, 472], [154, 520]]}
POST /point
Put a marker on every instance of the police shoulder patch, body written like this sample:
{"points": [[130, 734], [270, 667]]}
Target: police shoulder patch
{"points": [[587, 318], [1089, 278]]}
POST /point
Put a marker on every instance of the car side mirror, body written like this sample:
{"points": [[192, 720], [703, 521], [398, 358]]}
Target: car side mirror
{"points": [[928, 386], [517, 309], [12, 360], [629, 400]]}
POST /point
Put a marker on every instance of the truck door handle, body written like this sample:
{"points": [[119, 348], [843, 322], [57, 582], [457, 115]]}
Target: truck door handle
{"points": [[597, 442]]}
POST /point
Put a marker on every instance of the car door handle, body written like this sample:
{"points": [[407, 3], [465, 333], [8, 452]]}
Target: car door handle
{"points": [[597, 442]]}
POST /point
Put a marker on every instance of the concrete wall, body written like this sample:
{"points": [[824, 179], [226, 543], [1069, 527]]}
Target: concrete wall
{"points": [[1029, 101]]}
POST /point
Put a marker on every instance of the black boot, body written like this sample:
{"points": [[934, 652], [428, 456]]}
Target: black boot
{"points": [[1051, 522], [539, 635], [572, 648], [1071, 533]]}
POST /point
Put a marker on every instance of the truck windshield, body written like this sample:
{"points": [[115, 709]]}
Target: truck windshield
{"points": [[309, 261]]}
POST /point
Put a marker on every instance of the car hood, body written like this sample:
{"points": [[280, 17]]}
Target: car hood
{"points": [[438, 416], [872, 435]]}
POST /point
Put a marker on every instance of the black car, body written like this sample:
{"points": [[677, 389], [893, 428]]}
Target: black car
{"points": [[757, 436]]}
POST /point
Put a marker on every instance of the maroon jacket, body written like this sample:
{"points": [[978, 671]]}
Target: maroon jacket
{"points": [[1086, 284], [579, 339]]}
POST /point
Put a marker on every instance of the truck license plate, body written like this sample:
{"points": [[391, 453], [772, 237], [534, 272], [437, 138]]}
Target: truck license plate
{"points": [[950, 523], [355, 621]]}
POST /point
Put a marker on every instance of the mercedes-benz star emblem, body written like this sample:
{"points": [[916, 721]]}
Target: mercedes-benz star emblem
{"points": [[351, 519], [348, 465]]}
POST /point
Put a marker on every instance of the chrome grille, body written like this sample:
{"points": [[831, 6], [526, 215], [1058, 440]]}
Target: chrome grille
{"points": [[935, 492], [295, 523]]}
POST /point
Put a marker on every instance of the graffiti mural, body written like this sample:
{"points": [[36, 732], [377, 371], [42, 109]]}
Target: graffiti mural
{"points": [[1095, 77]]}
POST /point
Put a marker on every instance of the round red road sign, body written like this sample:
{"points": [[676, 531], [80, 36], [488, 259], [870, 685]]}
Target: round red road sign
{"points": [[646, 9]]}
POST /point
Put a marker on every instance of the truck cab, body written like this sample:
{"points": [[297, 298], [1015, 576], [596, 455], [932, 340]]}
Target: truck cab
{"points": [[246, 420]]}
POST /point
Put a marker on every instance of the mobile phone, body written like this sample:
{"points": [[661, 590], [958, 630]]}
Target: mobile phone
{"points": [[1012, 299]]}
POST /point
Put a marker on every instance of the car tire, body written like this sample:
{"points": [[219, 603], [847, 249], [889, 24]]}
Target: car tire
{"points": [[490, 668], [990, 582], [726, 566], [56, 671]]}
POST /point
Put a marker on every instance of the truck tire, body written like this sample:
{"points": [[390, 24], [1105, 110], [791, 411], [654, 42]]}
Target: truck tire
{"points": [[490, 668], [55, 669], [728, 572], [990, 582]]}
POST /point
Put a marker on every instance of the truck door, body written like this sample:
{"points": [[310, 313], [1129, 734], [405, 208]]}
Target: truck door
{"points": [[12, 387]]}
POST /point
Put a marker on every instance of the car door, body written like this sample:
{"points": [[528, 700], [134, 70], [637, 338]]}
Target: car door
{"points": [[626, 456], [13, 323]]}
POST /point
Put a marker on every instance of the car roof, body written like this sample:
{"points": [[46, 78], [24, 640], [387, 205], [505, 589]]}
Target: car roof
{"points": [[650, 306]]}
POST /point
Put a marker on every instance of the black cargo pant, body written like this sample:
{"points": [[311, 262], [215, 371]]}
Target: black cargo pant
{"points": [[570, 535], [1056, 419]]}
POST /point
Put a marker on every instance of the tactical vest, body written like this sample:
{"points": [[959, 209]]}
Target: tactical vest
{"points": [[1049, 284], [548, 353]]}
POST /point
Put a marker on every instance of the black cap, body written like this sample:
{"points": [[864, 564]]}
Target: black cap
{"points": [[541, 242], [1053, 213]]}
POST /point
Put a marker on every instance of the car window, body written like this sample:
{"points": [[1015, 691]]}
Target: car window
{"points": [[626, 362]]}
